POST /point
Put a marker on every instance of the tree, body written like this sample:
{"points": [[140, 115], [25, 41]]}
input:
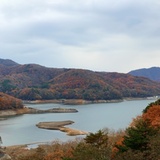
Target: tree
{"points": [[137, 137], [94, 147], [153, 116], [151, 105], [98, 139], [6, 86]]}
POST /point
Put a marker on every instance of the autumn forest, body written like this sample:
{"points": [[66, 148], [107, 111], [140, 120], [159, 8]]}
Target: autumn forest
{"points": [[35, 82]]}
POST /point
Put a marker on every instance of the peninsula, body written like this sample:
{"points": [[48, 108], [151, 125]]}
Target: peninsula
{"points": [[59, 125], [25, 110]]}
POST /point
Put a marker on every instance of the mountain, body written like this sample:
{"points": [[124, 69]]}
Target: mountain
{"points": [[151, 73], [32, 82], [7, 62]]}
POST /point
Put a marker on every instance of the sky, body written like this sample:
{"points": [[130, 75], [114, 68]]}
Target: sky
{"points": [[99, 35]]}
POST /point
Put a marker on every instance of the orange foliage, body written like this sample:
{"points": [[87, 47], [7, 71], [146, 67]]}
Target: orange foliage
{"points": [[115, 149], [9, 102], [153, 115]]}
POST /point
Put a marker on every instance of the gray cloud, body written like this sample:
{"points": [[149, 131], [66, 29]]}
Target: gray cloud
{"points": [[93, 34]]}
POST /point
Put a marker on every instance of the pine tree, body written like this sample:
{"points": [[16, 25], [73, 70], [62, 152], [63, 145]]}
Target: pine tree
{"points": [[137, 137]]}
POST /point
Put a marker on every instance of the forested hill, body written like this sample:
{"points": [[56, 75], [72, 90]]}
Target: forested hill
{"points": [[151, 73], [9, 102], [32, 82]]}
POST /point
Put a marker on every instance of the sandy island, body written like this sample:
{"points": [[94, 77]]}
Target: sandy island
{"points": [[59, 125]]}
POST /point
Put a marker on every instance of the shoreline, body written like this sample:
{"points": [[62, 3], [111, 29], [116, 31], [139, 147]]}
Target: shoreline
{"points": [[26, 110], [72, 101], [83, 102], [8, 113]]}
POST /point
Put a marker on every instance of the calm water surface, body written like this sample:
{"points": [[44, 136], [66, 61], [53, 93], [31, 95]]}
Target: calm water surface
{"points": [[92, 117]]}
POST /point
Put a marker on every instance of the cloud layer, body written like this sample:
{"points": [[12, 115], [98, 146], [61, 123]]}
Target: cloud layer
{"points": [[101, 35]]}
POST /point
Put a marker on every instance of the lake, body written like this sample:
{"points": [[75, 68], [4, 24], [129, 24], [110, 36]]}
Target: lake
{"points": [[91, 117]]}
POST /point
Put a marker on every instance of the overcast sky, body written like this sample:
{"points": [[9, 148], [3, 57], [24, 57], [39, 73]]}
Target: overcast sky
{"points": [[100, 35]]}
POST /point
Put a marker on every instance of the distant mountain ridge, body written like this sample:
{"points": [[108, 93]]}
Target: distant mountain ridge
{"points": [[152, 73], [35, 82], [8, 62]]}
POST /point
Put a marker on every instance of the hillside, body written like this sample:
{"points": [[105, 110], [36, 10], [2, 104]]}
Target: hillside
{"points": [[9, 102], [32, 82], [7, 62], [151, 73]]}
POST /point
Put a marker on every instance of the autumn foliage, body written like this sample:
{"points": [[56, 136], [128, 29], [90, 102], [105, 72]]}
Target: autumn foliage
{"points": [[140, 137], [35, 82], [9, 102], [153, 116]]}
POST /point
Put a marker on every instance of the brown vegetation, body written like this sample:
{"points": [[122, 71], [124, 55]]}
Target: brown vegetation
{"points": [[35, 82], [8, 102], [153, 116]]}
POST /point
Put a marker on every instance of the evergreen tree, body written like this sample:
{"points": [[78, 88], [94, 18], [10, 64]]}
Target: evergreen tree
{"points": [[98, 139], [137, 137]]}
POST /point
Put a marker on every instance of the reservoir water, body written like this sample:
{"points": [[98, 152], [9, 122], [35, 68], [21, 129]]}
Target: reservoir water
{"points": [[92, 117]]}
